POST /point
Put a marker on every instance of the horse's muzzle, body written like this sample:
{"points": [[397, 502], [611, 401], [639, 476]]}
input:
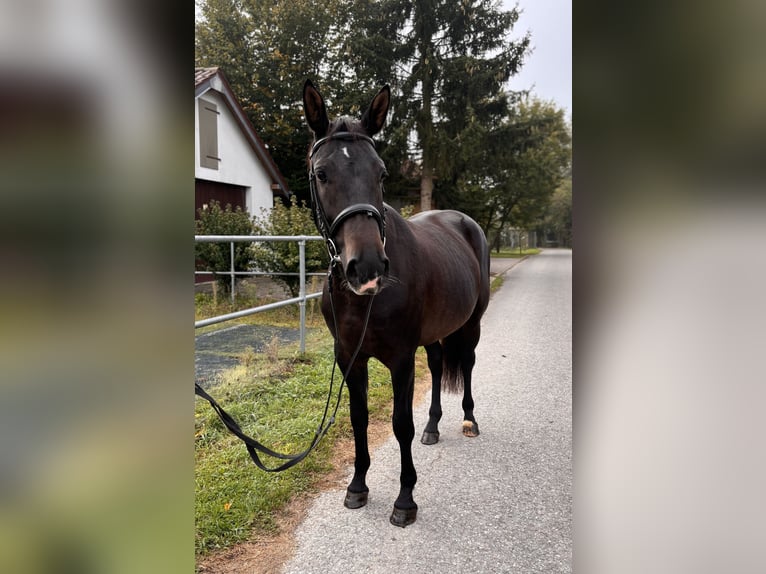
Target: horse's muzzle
{"points": [[366, 277], [369, 288]]}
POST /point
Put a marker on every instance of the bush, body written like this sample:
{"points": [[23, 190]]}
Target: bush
{"points": [[217, 256], [283, 256]]}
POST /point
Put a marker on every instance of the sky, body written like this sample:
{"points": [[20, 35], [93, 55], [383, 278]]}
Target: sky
{"points": [[548, 70]]}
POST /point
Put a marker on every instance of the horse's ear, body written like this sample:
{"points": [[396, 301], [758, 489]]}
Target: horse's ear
{"points": [[315, 110], [375, 116]]}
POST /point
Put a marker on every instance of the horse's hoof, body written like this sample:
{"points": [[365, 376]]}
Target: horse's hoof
{"points": [[430, 437], [403, 516], [355, 499], [470, 428]]}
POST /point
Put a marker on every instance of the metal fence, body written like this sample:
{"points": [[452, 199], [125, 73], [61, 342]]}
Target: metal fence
{"points": [[300, 299]]}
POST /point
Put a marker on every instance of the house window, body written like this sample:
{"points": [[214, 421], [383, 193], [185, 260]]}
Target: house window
{"points": [[208, 134]]}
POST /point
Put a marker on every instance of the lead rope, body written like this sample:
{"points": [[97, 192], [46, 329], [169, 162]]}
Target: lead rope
{"points": [[252, 445]]}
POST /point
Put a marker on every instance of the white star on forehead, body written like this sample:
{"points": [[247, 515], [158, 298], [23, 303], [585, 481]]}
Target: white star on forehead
{"points": [[345, 152]]}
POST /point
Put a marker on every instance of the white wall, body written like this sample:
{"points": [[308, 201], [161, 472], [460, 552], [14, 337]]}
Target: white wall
{"points": [[239, 165]]}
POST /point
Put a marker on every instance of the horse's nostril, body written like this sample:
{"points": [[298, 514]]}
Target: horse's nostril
{"points": [[351, 269]]}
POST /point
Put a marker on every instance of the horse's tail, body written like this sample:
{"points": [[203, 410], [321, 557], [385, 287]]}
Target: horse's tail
{"points": [[458, 349], [452, 368]]}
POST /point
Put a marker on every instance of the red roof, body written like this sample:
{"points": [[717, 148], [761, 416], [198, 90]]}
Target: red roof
{"points": [[202, 74]]}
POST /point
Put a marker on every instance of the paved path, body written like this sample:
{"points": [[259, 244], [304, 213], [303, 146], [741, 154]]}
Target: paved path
{"points": [[499, 503], [499, 265]]}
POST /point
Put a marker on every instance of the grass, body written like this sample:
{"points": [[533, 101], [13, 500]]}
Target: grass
{"points": [[278, 398], [514, 253]]}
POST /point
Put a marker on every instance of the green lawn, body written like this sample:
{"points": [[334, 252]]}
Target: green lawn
{"points": [[514, 253]]}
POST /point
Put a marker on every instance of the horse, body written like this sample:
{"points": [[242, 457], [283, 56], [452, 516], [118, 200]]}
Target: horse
{"points": [[394, 285]]}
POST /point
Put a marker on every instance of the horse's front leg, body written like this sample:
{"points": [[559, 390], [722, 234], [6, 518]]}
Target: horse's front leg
{"points": [[356, 493], [403, 379]]}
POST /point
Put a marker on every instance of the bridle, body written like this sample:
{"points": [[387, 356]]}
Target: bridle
{"points": [[326, 228]]}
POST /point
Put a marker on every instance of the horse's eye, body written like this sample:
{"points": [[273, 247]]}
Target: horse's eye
{"points": [[321, 175]]}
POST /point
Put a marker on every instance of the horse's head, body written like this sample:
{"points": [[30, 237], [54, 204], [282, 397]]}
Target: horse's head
{"points": [[346, 176]]}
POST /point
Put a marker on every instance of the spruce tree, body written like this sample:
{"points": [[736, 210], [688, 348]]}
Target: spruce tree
{"points": [[460, 57]]}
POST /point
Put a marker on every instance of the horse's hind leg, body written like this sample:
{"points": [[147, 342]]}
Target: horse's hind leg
{"points": [[470, 427], [467, 361], [431, 432]]}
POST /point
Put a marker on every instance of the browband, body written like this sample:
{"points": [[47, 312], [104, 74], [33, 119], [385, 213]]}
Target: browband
{"points": [[346, 136]]}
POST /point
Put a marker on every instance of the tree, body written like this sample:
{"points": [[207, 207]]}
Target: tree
{"points": [[460, 57], [558, 219], [508, 171], [224, 37], [527, 156], [267, 50], [295, 40]]}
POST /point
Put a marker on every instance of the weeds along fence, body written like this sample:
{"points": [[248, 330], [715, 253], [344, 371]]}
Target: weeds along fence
{"points": [[300, 299]]}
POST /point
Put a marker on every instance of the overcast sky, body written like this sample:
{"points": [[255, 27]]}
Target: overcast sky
{"points": [[548, 71]]}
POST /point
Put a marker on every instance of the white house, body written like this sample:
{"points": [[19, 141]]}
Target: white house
{"points": [[231, 164]]}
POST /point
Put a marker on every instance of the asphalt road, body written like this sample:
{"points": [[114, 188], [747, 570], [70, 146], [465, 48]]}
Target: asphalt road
{"points": [[501, 502]]}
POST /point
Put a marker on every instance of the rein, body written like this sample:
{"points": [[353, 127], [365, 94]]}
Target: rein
{"points": [[326, 228], [253, 446]]}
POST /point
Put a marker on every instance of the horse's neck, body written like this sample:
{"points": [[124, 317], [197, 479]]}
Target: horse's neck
{"points": [[399, 236]]}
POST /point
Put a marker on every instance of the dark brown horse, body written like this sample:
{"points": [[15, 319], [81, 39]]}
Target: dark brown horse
{"points": [[423, 281]]}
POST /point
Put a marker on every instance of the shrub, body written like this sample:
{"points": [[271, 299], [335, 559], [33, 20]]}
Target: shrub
{"points": [[217, 256], [283, 256]]}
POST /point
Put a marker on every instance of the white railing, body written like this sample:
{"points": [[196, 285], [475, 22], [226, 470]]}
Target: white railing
{"points": [[300, 299]]}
